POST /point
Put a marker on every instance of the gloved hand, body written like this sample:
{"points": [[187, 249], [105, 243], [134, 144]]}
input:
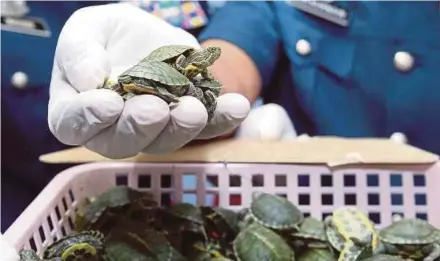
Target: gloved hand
{"points": [[101, 41], [267, 122]]}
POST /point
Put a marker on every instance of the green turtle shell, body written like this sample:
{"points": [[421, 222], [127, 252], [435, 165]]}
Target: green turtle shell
{"points": [[156, 71], [311, 228], [317, 254], [187, 211], [168, 53], [351, 222], [112, 199], [409, 231], [275, 212], [218, 214], [257, 242], [82, 243], [334, 238], [136, 244]]}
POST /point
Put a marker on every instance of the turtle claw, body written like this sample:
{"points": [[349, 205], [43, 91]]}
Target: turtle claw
{"points": [[435, 253]]}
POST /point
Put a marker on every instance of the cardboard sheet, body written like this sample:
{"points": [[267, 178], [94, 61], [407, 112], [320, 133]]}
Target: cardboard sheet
{"points": [[331, 151]]}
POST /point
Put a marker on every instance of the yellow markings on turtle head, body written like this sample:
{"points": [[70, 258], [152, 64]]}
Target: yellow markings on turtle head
{"points": [[80, 246], [134, 87]]}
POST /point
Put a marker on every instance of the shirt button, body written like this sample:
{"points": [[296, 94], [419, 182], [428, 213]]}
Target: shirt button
{"points": [[19, 80], [403, 61], [303, 47], [398, 137]]}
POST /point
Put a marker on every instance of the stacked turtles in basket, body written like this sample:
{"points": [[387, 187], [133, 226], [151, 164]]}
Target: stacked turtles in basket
{"points": [[172, 71], [124, 224]]}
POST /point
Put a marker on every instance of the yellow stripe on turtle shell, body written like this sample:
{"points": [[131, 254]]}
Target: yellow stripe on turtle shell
{"points": [[71, 250], [352, 213]]}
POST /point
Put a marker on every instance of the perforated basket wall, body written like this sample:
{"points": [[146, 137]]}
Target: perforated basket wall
{"points": [[381, 192]]}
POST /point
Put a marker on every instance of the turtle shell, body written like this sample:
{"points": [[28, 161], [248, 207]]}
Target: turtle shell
{"points": [[311, 228], [220, 215], [168, 53], [187, 211], [352, 251], [275, 212], [132, 243], [29, 255], [383, 257], [113, 199], [156, 71], [257, 242], [82, 244], [317, 255], [409, 231], [351, 222], [334, 238]]}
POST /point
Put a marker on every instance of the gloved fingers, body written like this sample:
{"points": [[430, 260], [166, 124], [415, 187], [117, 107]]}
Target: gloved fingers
{"points": [[232, 109], [80, 52], [267, 122], [142, 120], [187, 119], [74, 118]]}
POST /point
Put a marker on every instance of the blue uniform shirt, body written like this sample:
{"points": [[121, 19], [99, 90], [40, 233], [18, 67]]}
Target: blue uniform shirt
{"points": [[375, 75]]}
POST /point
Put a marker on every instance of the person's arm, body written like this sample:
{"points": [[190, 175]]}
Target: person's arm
{"points": [[247, 35]]}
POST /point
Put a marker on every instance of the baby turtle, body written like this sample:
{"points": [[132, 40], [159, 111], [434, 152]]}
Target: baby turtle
{"points": [[349, 223], [152, 77], [186, 59], [317, 255], [311, 233], [119, 199], [77, 246], [257, 242], [410, 238], [275, 212]]}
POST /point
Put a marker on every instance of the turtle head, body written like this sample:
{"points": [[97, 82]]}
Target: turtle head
{"points": [[214, 53]]}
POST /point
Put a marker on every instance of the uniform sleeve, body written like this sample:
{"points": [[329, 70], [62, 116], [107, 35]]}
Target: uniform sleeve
{"points": [[250, 25]]}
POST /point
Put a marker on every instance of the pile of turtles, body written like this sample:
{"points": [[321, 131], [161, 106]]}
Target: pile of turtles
{"points": [[172, 71], [125, 224]]}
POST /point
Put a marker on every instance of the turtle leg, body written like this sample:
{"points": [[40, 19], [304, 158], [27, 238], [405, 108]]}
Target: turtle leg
{"points": [[164, 94], [196, 92], [211, 103], [207, 74], [434, 253], [180, 62]]}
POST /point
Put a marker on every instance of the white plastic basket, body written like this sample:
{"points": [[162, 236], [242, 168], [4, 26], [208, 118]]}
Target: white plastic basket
{"points": [[411, 191]]}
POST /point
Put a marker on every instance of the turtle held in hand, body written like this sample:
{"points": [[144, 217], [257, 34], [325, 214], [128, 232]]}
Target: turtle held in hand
{"points": [[186, 59], [151, 77]]}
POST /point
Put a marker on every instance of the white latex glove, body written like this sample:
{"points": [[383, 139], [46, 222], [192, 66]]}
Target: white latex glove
{"points": [[7, 252], [105, 40], [267, 122]]}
